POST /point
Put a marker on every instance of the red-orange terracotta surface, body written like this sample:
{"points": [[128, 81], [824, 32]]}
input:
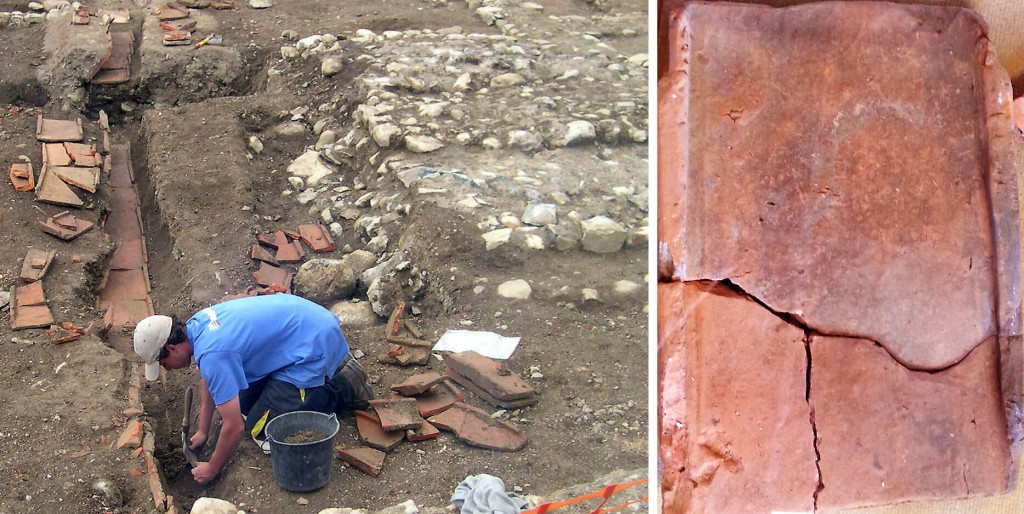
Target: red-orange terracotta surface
{"points": [[832, 160], [886, 433], [735, 426]]}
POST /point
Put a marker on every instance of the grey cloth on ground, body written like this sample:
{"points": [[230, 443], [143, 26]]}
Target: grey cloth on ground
{"points": [[485, 494]]}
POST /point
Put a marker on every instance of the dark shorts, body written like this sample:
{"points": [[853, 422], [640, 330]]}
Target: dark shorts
{"points": [[268, 398]]}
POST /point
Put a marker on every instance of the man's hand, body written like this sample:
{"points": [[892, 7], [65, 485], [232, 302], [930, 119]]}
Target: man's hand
{"points": [[204, 472], [197, 441]]}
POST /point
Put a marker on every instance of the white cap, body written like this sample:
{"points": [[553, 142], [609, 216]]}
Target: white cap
{"points": [[150, 335]]}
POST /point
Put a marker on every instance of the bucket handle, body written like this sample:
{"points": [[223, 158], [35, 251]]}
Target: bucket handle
{"points": [[270, 437]]}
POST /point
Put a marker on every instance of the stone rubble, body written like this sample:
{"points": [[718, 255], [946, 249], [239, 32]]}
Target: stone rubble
{"points": [[440, 93]]}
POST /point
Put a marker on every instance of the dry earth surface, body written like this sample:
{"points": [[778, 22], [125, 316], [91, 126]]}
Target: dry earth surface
{"points": [[214, 134]]}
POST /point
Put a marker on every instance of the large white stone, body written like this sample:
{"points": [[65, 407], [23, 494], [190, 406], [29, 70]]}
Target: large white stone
{"points": [[331, 65], [579, 131], [540, 214], [383, 133], [206, 505], [517, 289], [354, 314], [422, 144], [261, 4], [496, 238], [507, 80], [603, 235], [310, 167]]}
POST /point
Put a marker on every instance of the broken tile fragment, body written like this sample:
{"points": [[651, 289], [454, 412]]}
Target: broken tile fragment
{"points": [[736, 433], [64, 333], [53, 131], [316, 238], [51, 189], [477, 428], [438, 399], [35, 265], [372, 434], [22, 177], [397, 413], [367, 460], [176, 38], [82, 155], [28, 307], [424, 432], [54, 154], [267, 240], [171, 11], [131, 436], [278, 279], [418, 383], [65, 226], [290, 251], [488, 397], [404, 355], [260, 253], [84, 178], [888, 434], [489, 376], [29, 294]]}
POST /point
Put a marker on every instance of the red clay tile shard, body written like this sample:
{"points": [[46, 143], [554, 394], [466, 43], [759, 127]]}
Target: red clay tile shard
{"points": [[82, 155], [486, 396], [29, 295], [404, 355], [419, 383], [397, 413], [888, 434], [273, 277], [317, 238], [477, 428], [22, 177], [51, 189], [52, 131], [290, 252], [170, 12], [84, 178], [489, 375], [177, 38], [267, 240], [784, 159], [438, 399], [35, 265], [34, 316], [367, 460], [54, 154], [372, 434], [736, 433], [64, 333], [65, 226], [262, 254], [423, 432]]}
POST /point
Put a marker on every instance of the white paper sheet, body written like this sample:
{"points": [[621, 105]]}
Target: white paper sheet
{"points": [[488, 344]]}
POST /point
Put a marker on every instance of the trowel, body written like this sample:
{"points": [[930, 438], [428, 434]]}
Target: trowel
{"points": [[190, 456]]}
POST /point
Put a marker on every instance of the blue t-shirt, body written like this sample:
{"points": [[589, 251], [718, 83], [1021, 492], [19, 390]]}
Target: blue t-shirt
{"points": [[282, 336]]}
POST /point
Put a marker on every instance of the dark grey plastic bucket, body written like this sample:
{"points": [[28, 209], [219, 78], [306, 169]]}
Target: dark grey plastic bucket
{"points": [[305, 466]]}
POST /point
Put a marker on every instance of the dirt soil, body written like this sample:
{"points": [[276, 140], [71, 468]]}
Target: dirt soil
{"points": [[205, 194]]}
